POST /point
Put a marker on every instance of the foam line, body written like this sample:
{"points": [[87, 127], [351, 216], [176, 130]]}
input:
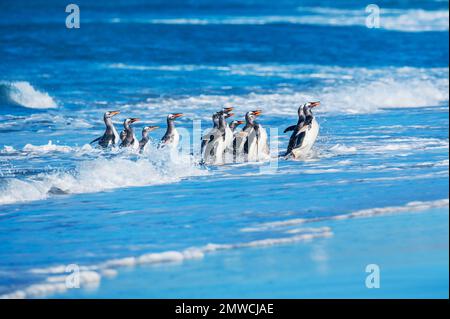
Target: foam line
{"points": [[92, 275], [403, 20], [152, 168], [371, 212]]}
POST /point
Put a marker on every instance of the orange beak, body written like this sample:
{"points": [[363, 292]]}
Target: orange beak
{"points": [[177, 115], [228, 109], [314, 104], [152, 128], [240, 122], [134, 119], [257, 112], [114, 112]]}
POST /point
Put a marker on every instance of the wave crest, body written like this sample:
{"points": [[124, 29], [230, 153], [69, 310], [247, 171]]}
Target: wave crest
{"points": [[409, 20], [344, 90], [125, 169], [23, 94]]}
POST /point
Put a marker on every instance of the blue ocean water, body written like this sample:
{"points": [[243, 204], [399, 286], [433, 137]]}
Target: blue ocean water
{"points": [[374, 189]]}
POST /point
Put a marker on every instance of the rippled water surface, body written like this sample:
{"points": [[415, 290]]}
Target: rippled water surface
{"points": [[374, 189]]}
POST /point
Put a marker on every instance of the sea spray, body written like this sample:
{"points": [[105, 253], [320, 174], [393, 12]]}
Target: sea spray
{"points": [[121, 168]]}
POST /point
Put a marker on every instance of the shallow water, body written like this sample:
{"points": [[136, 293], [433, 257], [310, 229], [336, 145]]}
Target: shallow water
{"points": [[374, 190]]}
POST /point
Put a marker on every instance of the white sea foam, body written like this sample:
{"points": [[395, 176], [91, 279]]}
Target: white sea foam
{"points": [[348, 90], [50, 147], [101, 174], [44, 120], [24, 94], [389, 146], [321, 171], [416, 206], [92, 275], [174, 68], [406, 145], [55, 284], [409, 20], [7, 149], [343, 149], [308, 230]]}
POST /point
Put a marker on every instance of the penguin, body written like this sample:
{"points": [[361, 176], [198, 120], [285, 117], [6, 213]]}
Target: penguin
{"points": [[122, 135], [214, 144], [240, 138], [234, 124], [129, 139], [228, 115], [228, 134], [251, 142], [217, 141], [144, 140], [215, 120], [171, 138], [304, 133], [110, 137], [226, 111]]}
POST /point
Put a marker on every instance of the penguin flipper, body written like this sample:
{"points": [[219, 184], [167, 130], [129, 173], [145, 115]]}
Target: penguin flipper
{"points": [[290, 128], [97, 139]]}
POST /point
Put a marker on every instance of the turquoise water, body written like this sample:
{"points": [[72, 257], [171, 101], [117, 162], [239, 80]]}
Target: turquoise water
{"points": [[374, 189]]}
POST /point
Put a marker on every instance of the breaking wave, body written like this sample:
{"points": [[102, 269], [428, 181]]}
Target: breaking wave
{"points": [[89, 176], [347, 90], [23, 94]]}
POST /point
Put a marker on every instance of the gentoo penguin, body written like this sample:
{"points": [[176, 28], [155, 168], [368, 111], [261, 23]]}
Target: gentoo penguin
{"points": [[226, 111], [228, 136], [122, 135], [215, 143], [110, 137], [234, 124], [215, 119], [129, 139], [144, 140], [171, 138], [251, 142], [304, 133], [217, 140], [210, 133]]}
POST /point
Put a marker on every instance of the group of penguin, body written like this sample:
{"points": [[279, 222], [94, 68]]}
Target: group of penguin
{"points": [[223, 143]]}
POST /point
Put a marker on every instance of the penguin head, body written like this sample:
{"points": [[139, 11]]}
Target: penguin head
{"points": [[236, 123], [110, 114], [312, 104], [148, 129], [227, 115], [305, 108], [251, 116], [227, 110], [130, 120], [215, 118], [173, 116]]}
